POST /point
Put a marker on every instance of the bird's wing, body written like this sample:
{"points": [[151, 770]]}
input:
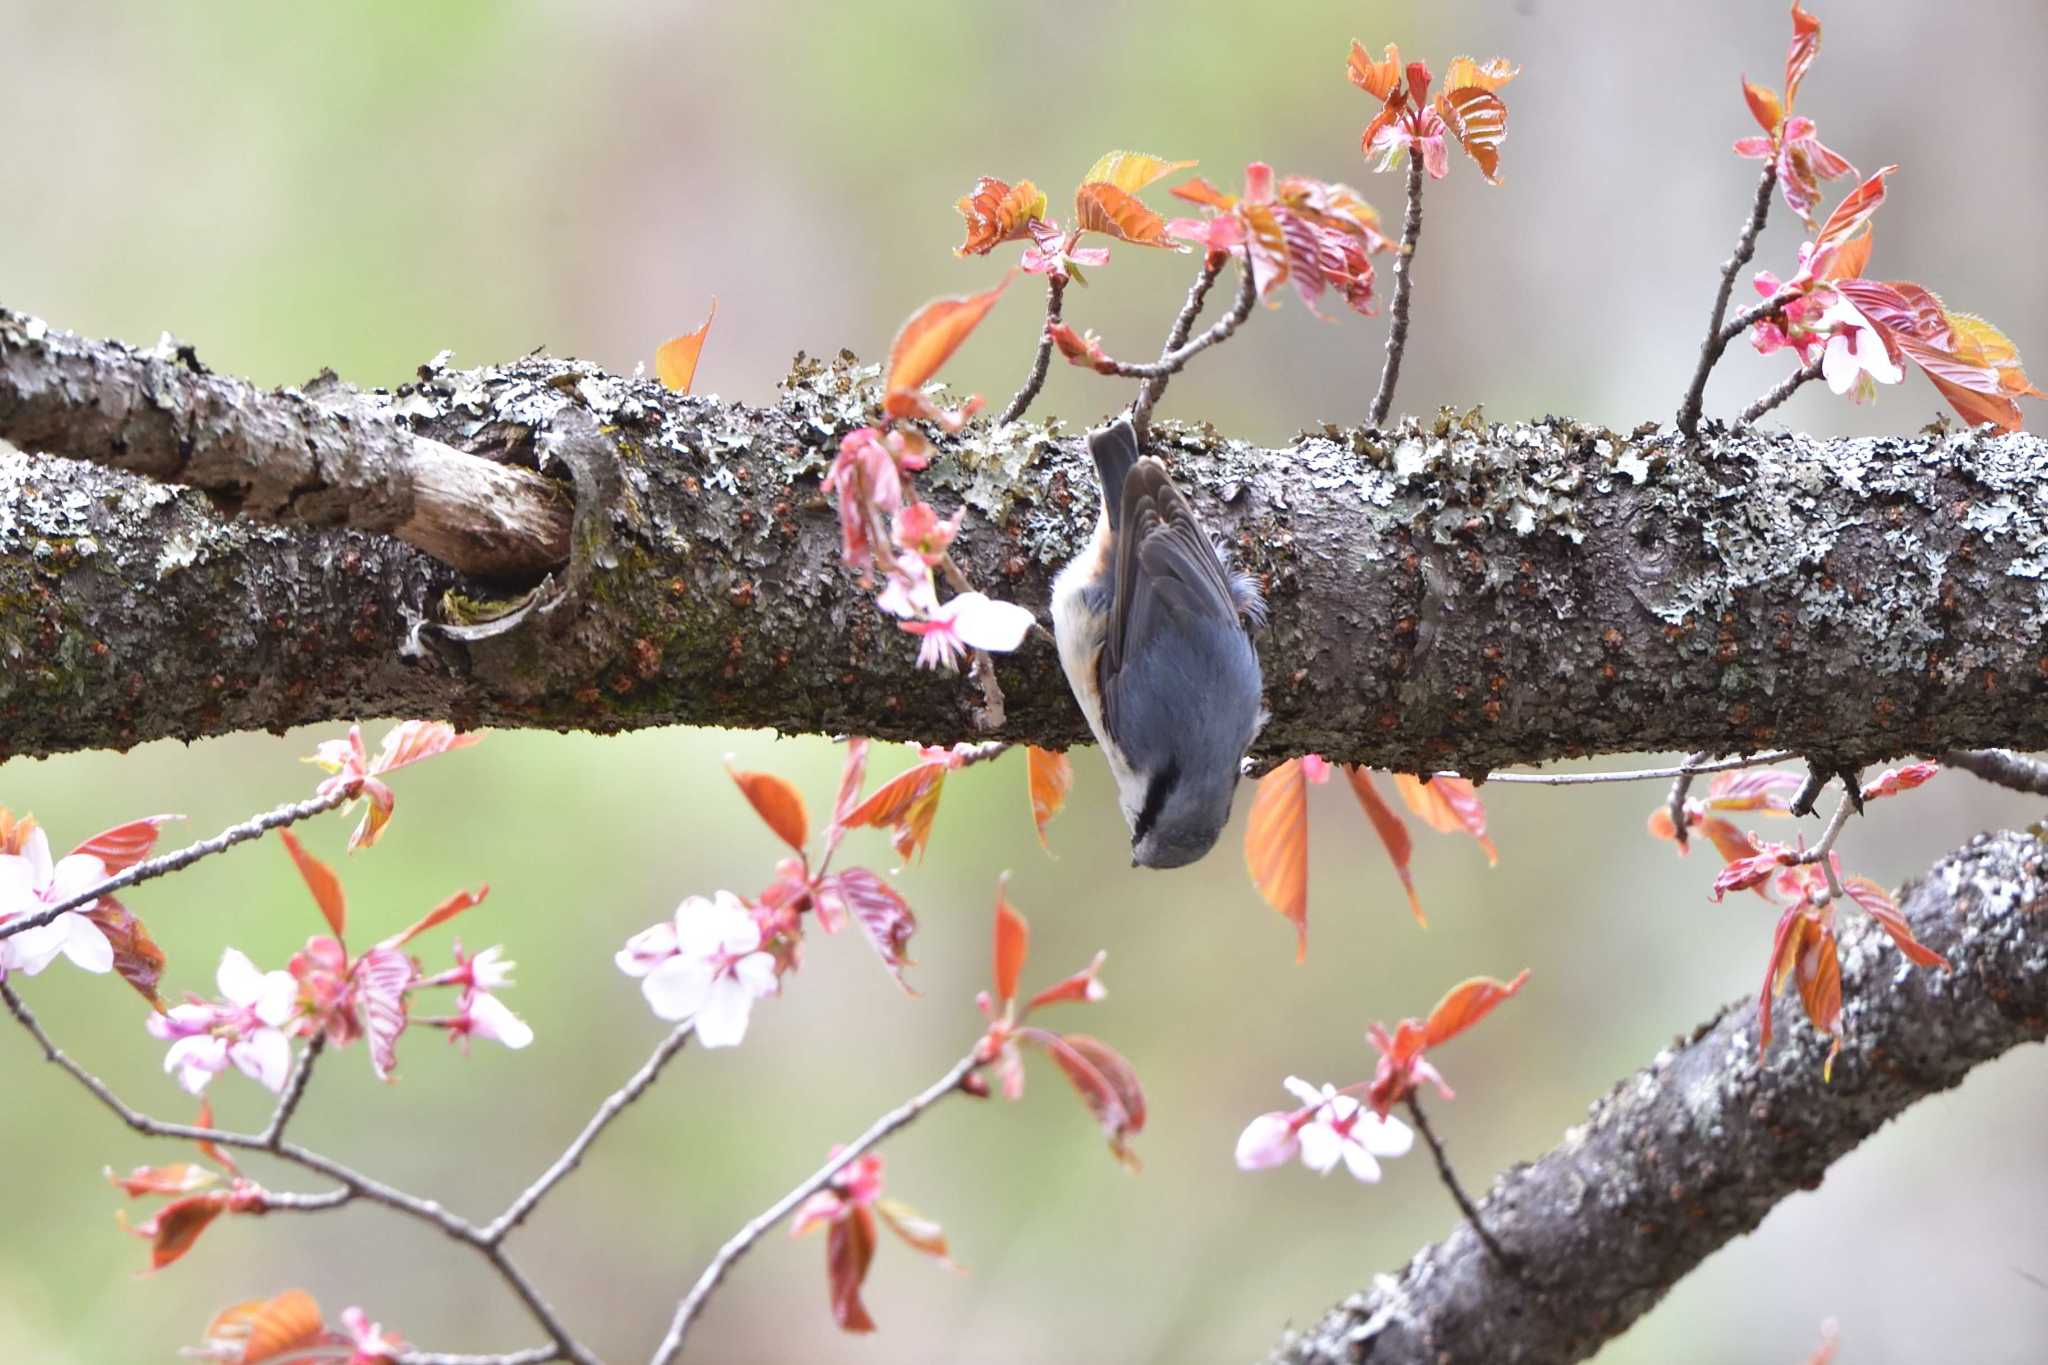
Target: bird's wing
{"points": [[1168, 575]]}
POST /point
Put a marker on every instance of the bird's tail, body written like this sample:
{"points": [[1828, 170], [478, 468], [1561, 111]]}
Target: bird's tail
{"points": [[1115, 448]]}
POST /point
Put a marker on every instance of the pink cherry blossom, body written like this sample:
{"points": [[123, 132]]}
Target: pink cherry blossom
{"points": [[917, 527], [1856, 359], [30, 884], [705, 965], [858, 1185], [909, 591], [369, 1342], [483, 1015], [968, 620], [245, 1027], [1329, 1127]]}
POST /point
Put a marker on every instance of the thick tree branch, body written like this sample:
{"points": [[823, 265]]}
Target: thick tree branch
{"points": [[1446, 595], [1695, 1149]]}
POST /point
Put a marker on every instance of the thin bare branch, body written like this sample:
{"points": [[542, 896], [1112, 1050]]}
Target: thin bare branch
{"points": [[183, 858], [1174, 361], [532, 1355], [1790, 385], [2001, 766], [1150, 392], [1055, 290], [1717, 339], [294, 1091], [1450, 1182], [283, 1201], [742, 1241], [614, 1105], [1404, 287], [1687, 769]]}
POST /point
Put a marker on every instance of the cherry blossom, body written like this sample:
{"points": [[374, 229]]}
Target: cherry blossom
{"points": [[30, 884], [968, 620], [369, 1342], [483, 1015], [1856, 359], [1329, 1127], [908, 591], [244, 1028], [704, 965]]}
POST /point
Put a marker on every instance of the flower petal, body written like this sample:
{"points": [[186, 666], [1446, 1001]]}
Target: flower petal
{"points": [[986, 623], [722, 1022], [676, 989]]}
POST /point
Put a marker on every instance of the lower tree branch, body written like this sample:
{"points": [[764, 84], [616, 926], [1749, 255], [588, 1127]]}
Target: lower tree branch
{"points": [[1695, 1149], [1450, 595]]}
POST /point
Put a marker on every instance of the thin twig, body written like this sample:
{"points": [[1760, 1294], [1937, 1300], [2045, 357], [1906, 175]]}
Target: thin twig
{"points": [[1198, 293], [282, 1201], [745, 1238], [357, 1185], [1176, 360], [532, 1355], [1715, 342], [614, 1105], [183, 858], [1749, 317], [1055, 290], [1686, 769], [1404, 283], [2002, 767], [1681, 787], [1508, 1263], [1820, 851], [1791, 384], [294, 1091]]}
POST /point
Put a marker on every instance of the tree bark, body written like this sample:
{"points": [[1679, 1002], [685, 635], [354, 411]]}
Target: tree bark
{"points": [[1693, 1150], [1448, 594]]}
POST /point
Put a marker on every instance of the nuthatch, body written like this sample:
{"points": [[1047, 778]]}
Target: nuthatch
{"points": [[1152, 630]]}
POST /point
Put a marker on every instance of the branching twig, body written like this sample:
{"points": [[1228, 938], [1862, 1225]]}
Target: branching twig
{"points": [[1404, 281], [354, 1184], [293, 1092], [1717, 340], [1790, 385], [532, 1355], [744, 1239], [1176, 360], [1681, 787], [1198, 293], [183, 858], [1687, 769], [1055, 290], [2001, 766], [614, 1105]]}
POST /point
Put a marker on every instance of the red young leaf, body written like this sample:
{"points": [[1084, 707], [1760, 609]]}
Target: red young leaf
{"points": [[1048, 777], [918, 1232], [853, 771], [1393, 832], [1877, 903], [382, 976], [849, 1251], [1104, 208], [675, 360], [1751, 870], [321, 881], [175, 1228], [1770, 790], [410, 741], [123, 846], [883, 915], [1082, 987], [1851, 214], [777, 803], [1276, 846], [996, 213], [211, 1151], [933, 333], [1805, 46], [439, 915], [1105, 1082], [1013, 943], [905, 805], [1464, 1005], [1448, 805], [1479, 120], [267, 1330], [180, 1177], [1892, 781], [137, 959]]}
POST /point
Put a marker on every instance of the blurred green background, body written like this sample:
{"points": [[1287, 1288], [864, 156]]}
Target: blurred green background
{"points": [[291, 187]]}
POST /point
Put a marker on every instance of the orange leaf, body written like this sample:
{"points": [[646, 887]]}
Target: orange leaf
{"points": [[997, 212], [853, 771], [137, 959], [175, 1228], [180, 1177], [1393, 832], [1106, 209], [1013, 943], [1448, 805], [1851, 259], [1877, 903], [1820, 982], [1131, 171], [1464, 1005], [918, 1232], [849, 1251], [267, 1329], [1852, 213], [1805, 47], [1048, 776], [209, 1150], [1276, 846], [1479, 121], [777, 803], [933, 333], [410, 741], [440, 914], [1466, 74], [675, 360], [905, 805], [1764, 107], [1106, 1083], [321, 881], [123, 846], [1378, 79]]}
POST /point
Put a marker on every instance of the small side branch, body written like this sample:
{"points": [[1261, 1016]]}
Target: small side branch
{"points": [[1674, 804], [1450, 1181], [1791, 384], [1055, 291], [294, 1091], [1176, 360], [2003, 767], [1198, 293], [1404, 284], [183, 858], [1685, 771], [1718, 337], [744, 1239]]}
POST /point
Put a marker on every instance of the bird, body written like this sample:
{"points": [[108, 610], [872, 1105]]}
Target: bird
{"points": [[1154, 633]]}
